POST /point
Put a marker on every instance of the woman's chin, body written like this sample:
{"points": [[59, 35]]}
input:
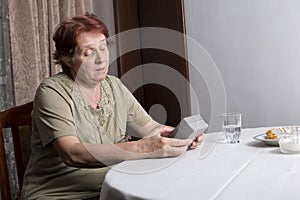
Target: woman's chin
{"points": [[101, 73], [99, 77]]}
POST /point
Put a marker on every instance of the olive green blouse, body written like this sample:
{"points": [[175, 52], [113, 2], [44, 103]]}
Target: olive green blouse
{"points": [[60, 110]]}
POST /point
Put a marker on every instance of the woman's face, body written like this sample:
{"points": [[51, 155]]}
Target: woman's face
{"points": [[89, 65]]}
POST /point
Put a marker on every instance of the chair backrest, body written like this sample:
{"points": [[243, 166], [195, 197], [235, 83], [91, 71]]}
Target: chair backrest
{"points": [[13, 118]]}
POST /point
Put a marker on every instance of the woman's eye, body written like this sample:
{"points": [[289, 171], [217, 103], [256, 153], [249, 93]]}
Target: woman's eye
{"points": [[103, 48], [88, 52]]}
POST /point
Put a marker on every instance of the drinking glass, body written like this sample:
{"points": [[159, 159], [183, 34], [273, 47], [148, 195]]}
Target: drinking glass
{"points": [[232, 127]]}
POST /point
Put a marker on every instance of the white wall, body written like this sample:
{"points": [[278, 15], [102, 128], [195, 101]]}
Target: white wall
{"points": [[256, 47]]}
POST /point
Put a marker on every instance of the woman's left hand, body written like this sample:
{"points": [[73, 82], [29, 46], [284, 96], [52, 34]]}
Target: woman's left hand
{"points": [[197, 141], [167, 130]]}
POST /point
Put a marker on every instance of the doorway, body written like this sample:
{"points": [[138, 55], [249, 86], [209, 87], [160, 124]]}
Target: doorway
{"points": [[166, 103]]}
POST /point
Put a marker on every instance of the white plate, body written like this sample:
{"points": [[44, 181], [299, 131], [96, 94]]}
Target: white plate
{"points": [[262, 137]]}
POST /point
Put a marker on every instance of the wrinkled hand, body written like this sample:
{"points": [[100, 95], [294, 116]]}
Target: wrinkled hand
{"points": [[159, 146], [197, 141], [167, 130]]}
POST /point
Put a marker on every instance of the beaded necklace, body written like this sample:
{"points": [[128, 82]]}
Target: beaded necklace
{"points": [[91, 99]]}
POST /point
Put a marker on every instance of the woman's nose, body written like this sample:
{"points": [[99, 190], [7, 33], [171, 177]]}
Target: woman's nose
{"points": [[98, 58]]}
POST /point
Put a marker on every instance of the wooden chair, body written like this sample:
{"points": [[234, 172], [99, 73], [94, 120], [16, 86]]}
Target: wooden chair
{"points": [[13, 118]]}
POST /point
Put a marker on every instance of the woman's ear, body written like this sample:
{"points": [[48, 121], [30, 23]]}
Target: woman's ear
{"points": [[67, 61]]}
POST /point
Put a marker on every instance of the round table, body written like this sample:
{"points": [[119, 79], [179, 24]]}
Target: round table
{"points": [[248, 170]]}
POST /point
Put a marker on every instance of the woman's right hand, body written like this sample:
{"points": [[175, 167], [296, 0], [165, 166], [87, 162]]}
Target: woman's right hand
{"points": [[158, 146]]}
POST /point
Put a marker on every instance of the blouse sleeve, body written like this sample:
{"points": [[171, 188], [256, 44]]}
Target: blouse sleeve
{"points": [[137, 117], [52, 114]]}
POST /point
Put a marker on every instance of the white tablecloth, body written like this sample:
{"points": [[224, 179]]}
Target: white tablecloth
{"points": [[248, 170]]}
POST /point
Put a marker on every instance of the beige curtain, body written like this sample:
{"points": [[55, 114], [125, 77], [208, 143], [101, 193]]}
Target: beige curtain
{"points": [[32, 23]]}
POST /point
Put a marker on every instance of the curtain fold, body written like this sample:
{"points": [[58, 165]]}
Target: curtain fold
{"points": [[32, 24]]}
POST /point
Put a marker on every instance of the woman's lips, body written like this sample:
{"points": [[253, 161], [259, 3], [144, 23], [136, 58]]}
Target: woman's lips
{"points": [[99, 69]]}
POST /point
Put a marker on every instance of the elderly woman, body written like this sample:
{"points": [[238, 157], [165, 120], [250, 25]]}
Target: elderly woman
{"points": [[81, 115]]}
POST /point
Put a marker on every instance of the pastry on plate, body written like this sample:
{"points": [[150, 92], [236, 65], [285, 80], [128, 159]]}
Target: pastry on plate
{"points": [[270, 134]]}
